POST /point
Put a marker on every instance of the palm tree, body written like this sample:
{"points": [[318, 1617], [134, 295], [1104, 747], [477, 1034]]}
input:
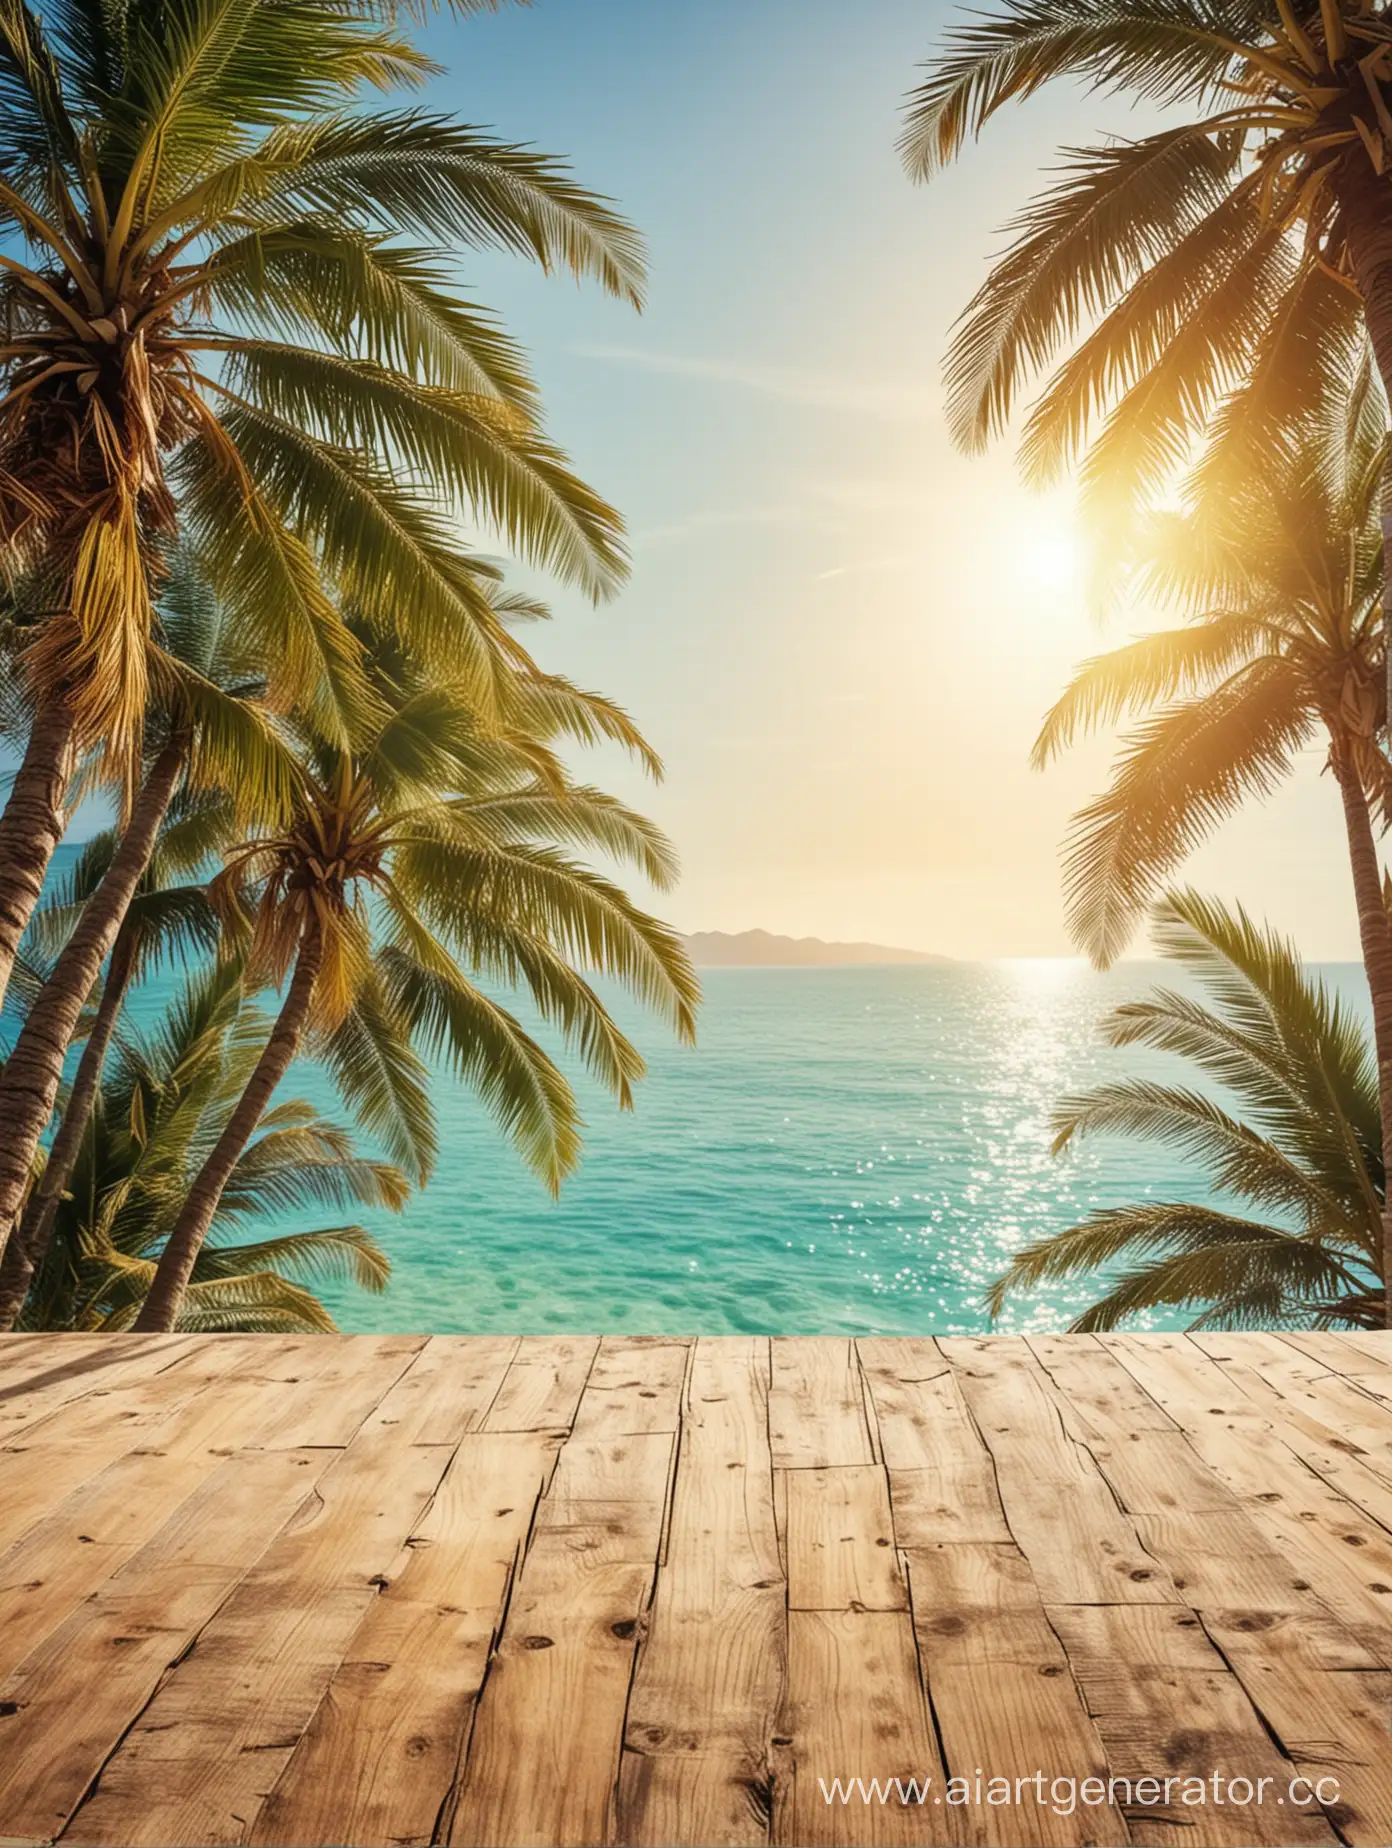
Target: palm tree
{"points": [[216, 327], [157, 1111], [1304, 1156], [1280, 577], [170, 918], [431, 853], [210, 731], [1225, 265]]}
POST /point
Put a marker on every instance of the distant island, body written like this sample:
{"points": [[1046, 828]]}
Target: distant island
{"points": [[713, 949]]}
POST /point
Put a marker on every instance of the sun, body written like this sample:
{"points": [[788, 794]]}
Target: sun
{"points": [[1055, 559], [1046, 555]]}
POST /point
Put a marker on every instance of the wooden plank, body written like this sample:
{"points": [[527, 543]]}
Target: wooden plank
{"points": [[1200, 1399], [380, 1755], [1098, 1638], [1139, 1448], [697, 1765], [1005, 1701], [1081, 1547], [69, 1377], [1320, 1535], [447, 1390], [348, 1375], [78, 1545], [1308, 1639], [612, 1531], [543, 1756], [1300, 1394], [1364, 1355], [63, 1711], [976, 1605], [35, 1482], [816, 1404], [1159, 1472], [1102, 1398], [921, 1419], [1218, 1560], [119, 1412], [959, 1501], [1340, 1459], [1170, 1710], [1332, 1724], [840, 1541], [855, 1708], [942, 1478], [543, 1384], [615, 1469], [205, 1753], [635, 1385], [24, 1355], [692, 1639], [1268, 1606]]}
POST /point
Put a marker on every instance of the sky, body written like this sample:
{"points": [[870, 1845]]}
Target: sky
{"points": [[840, 633]]}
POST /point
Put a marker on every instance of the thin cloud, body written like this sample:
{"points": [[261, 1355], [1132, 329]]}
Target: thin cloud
{"points": [[690, 524], [818, 391]]}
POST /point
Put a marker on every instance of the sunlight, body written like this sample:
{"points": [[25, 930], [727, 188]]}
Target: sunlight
{"points": [[1054, 560], [1043, 973], [1046, 555], [1058, 560]]}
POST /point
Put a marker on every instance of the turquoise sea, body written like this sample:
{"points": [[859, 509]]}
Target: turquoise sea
{"points": [[847, 1150]]}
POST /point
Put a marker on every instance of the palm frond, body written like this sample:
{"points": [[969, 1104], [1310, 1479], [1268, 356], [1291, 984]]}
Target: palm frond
{"points": [[1293, 1057], [1145, 672], [1078, 247], [383, 1081], [464, 449], [1178, 776], [333, 1252], [409, 171], [1156, 50], [585, 916], [520, 1086], [583, 817]]}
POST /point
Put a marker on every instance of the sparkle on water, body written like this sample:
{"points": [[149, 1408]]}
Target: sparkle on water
{"points": [[848, 1150]]}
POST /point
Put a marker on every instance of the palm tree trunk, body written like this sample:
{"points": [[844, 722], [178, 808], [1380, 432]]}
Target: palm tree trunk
{"points": [[29, 1082], [32, 825], [1365, 206], [1375, 936], [160, 1310], [29, 1246]]}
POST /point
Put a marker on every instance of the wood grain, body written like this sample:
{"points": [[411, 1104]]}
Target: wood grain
{"points": [[561, 1589]]}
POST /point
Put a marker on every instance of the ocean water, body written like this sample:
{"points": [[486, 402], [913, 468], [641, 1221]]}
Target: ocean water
{"points": [[851, 1150]]}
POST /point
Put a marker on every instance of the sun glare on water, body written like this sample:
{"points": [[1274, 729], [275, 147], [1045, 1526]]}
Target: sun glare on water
{"points": [[1043, 973]]}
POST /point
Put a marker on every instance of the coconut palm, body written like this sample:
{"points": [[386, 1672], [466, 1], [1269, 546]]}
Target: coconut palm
{"points": [[170, 919], [158, 1109], [1280, 577], [410, 870], [215, 325], [1224, 266], [209, 731], [1300, 1149], [1278, 580]]}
